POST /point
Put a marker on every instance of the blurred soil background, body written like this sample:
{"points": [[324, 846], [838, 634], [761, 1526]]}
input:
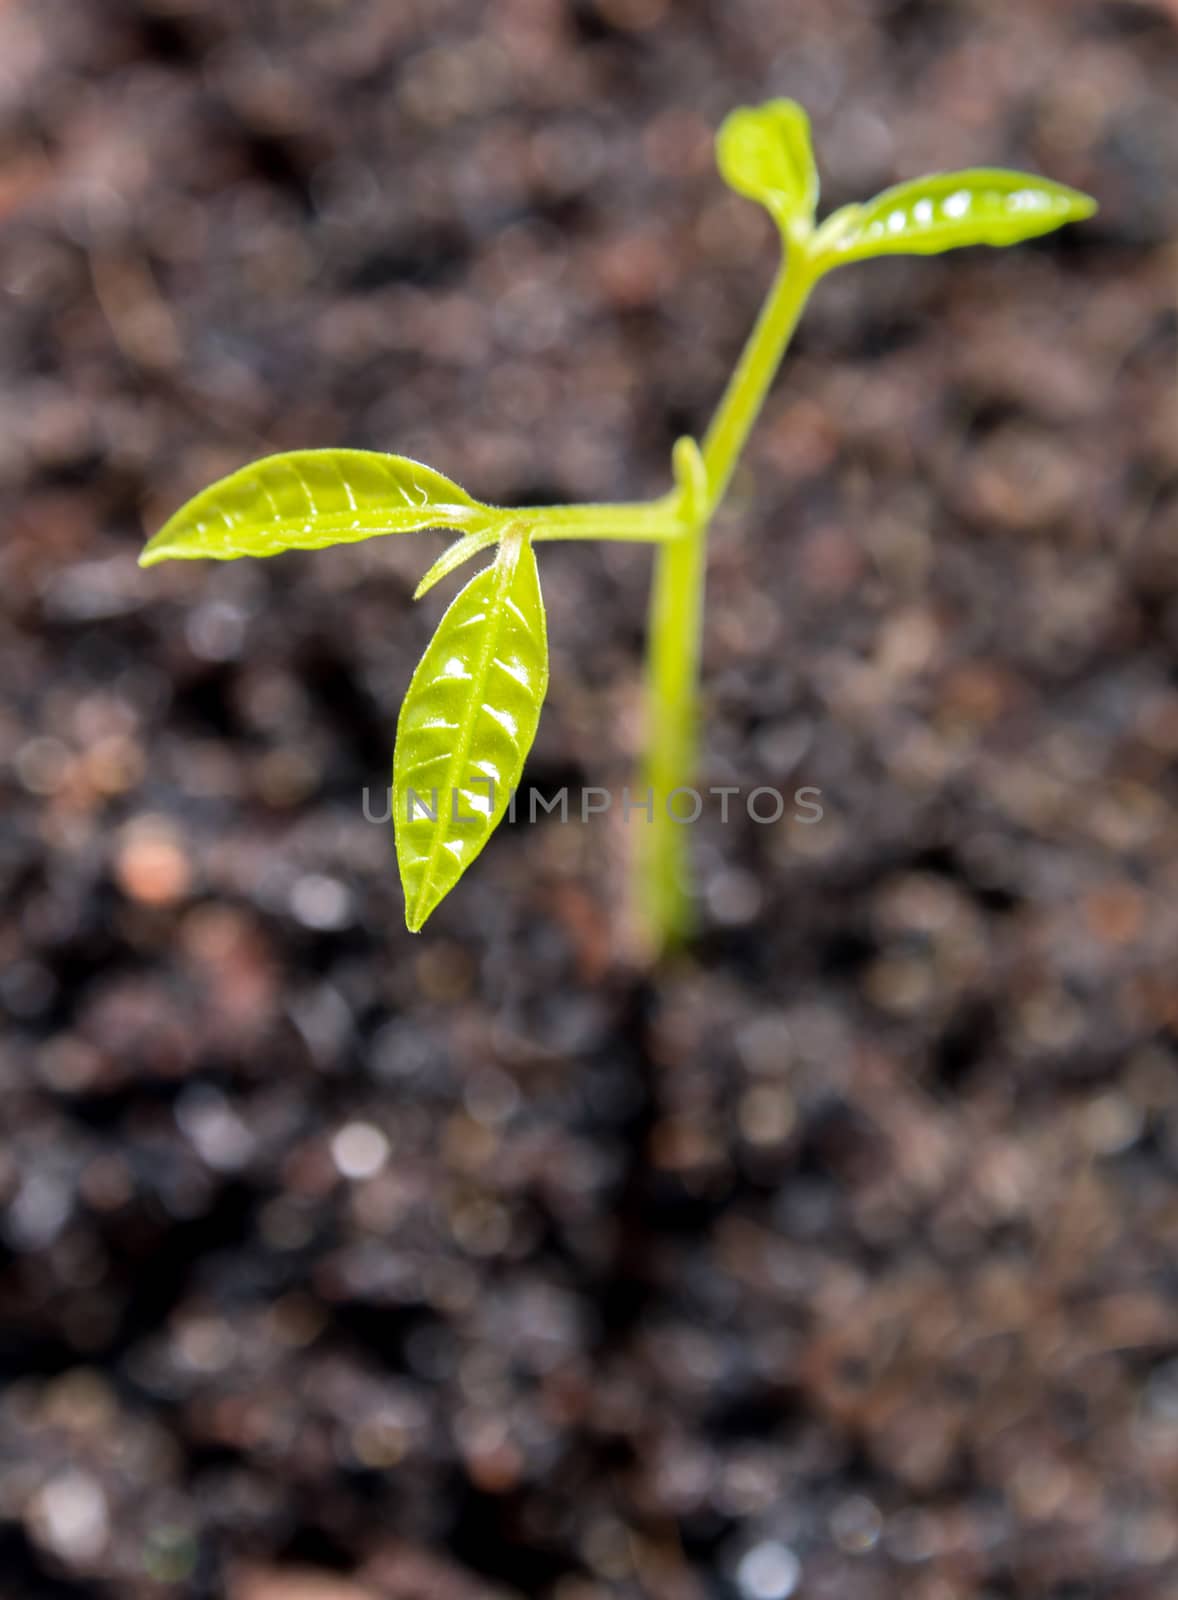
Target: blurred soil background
{"points": [[839, 1257]]}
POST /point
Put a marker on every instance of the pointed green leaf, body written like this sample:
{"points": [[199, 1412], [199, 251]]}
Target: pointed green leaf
{"points": [[984, 205], [764, 153], [306, 499], [467, 724], [454, 555]]}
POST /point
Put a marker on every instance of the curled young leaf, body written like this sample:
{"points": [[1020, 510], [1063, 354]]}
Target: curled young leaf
{"points": [[306, 499], [467, 724], [691, 480], [764, 153], [983, 205]]}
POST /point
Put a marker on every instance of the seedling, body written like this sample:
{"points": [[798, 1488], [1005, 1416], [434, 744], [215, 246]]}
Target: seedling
{"points": [[472, 707]]}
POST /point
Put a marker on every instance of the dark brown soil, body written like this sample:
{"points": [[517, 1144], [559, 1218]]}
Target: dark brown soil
{"points": [[838, 1257]]}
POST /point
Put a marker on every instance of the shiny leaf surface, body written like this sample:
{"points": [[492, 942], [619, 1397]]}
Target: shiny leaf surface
{"points": [[467, 724], [306, 499], [764, 153], [983, 205]]}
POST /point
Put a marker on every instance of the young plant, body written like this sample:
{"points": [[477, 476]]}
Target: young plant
{"points": [[470, 714]]}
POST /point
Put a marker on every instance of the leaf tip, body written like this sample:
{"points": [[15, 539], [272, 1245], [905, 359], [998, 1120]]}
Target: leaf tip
{"points": [[420, 907], [1083, 206]]}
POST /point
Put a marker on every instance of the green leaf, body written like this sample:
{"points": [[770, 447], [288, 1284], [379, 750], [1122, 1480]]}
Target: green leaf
{"points": [[764, 153], [454, 556], [306, 499], [691, 481], [467, 724], [984, 205]]}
